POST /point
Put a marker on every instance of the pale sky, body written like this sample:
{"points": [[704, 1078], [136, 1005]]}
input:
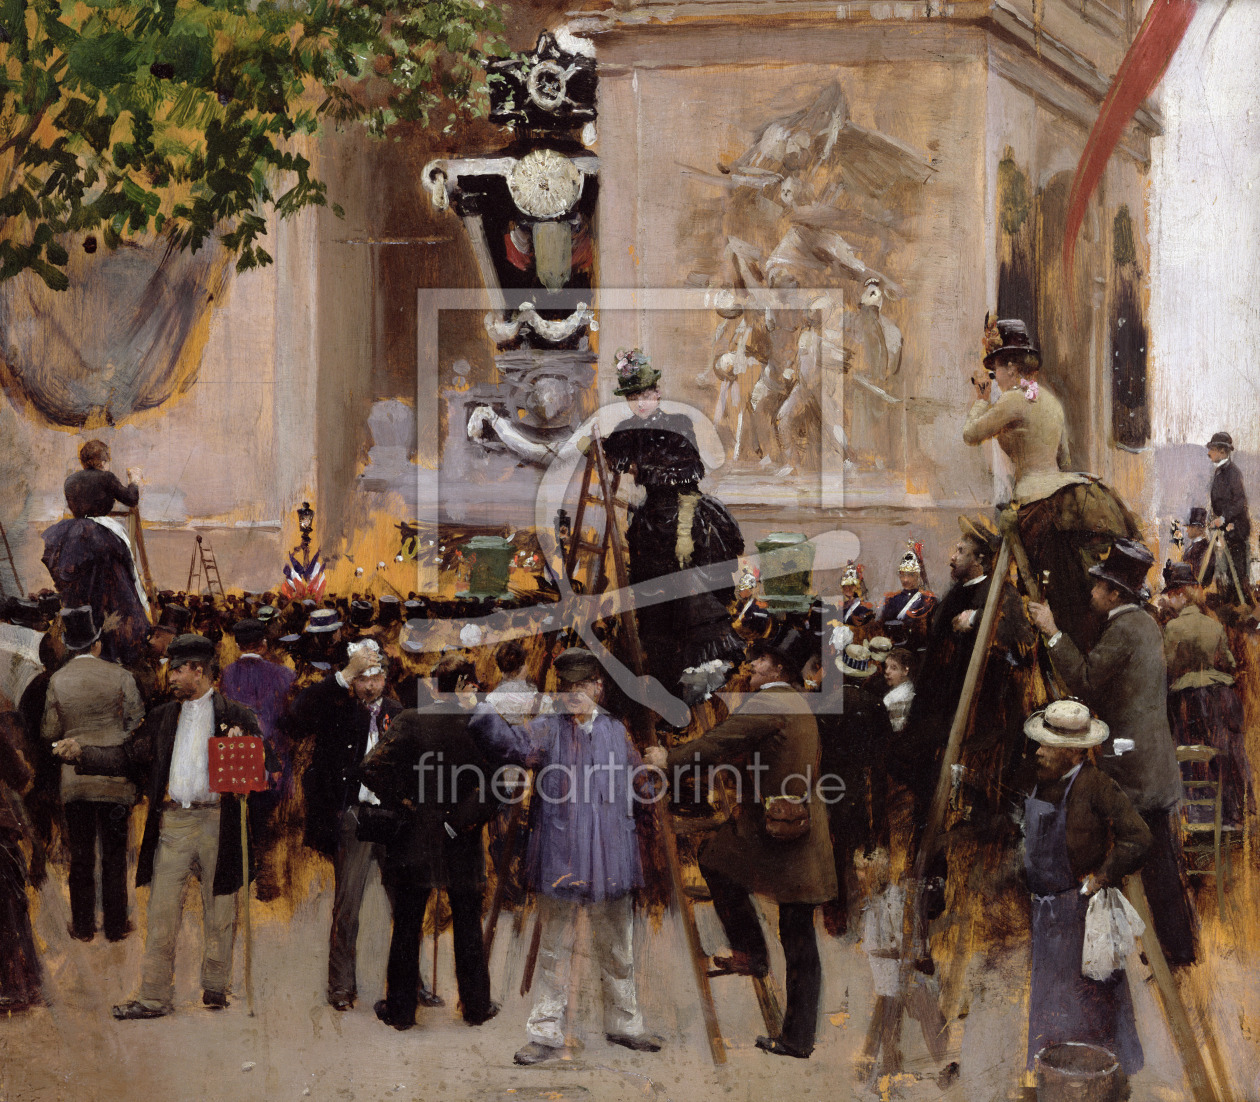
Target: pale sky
{"points": [[1205, 233]]}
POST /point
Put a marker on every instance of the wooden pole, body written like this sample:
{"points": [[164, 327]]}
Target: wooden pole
{"points": [[531, 958], [963, 715], [437, 929], [144, 563], [12, 565], [503, 872], [249, 972], [664, 821], [1174, 1010]]}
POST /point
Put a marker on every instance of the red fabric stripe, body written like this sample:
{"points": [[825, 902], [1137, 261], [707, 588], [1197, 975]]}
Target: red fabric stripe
{"points": [[1141, 70]]}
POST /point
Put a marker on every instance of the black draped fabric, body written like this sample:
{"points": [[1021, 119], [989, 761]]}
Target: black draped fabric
{"points": [[661, 452], [90, 565]]}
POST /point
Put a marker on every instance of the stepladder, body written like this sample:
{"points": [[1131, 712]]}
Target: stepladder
{"points": [[204, 570], [609, 563]]}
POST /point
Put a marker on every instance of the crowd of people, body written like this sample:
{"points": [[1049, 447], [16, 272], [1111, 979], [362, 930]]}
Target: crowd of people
{"points": [[383, 751]]}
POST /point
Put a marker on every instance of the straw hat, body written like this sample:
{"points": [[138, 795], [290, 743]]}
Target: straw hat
{"points": [[856, 661], [1065, 723]]}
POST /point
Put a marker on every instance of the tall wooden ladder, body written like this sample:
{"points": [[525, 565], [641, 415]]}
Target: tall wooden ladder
{"points": [[598, 489], [8, 554], [205, 569]]}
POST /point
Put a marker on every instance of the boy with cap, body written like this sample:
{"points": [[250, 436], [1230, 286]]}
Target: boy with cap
{"points": [[188, 827], [583, 852]]}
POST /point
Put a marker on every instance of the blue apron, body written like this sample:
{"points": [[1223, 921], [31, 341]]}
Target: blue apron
{"points": [[1064, 1005]]}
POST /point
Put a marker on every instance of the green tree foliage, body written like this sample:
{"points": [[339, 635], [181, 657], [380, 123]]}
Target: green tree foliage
{"points": [[178, 117]]}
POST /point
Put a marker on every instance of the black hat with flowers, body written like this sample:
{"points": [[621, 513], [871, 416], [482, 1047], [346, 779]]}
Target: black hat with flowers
{"points": [[635, 372]]}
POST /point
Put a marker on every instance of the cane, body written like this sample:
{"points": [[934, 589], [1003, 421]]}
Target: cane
{"points": [[249, 972]]}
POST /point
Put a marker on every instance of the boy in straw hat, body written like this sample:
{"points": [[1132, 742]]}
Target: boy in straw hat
{"points": [[1081, 834]]}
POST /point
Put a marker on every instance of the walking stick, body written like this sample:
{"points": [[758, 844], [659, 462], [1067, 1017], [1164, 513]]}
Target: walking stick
{"points": [[249, 972], [437, 926], [502, 871], [531, 958]]}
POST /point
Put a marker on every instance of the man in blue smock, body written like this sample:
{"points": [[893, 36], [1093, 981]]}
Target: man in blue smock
{"points": [[583, 851]]}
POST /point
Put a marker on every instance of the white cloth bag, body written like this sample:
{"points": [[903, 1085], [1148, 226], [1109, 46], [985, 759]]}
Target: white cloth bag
{"points": [[1111, 926]]}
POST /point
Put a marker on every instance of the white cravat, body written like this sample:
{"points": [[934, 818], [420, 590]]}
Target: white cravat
{"points": [[189, 780], [366, 795]]}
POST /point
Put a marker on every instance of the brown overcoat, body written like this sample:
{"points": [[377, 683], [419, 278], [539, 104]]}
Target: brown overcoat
{"points": [[773, 739]]}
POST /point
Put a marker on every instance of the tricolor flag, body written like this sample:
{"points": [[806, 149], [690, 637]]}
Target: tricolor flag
{"points": [[301, 582]]}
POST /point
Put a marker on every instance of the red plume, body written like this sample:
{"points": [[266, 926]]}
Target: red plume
{"points": [[1141, 70]]}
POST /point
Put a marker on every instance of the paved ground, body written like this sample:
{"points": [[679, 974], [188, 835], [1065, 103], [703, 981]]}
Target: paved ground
{"points": [[297, 1047]]}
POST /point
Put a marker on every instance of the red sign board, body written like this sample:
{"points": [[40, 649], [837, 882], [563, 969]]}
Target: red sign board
{"points": [[237, 764]]}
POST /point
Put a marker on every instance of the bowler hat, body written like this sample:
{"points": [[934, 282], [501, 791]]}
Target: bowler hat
{"points": [[1178, 575], [1197, 517], [1221, 440], [1015, 338], [577, 664], [249, 633], [1065, 723], [189, 648], [1126, 566], [78, 631], [791, 646]]}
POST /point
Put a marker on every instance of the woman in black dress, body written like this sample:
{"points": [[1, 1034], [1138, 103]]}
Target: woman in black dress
{"points": [[688, 640]]}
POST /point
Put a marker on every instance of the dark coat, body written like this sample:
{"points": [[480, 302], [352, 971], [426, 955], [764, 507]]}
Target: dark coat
{"points": [[150, 747], [1124, 680], [777, 727], [1194, 553], [339, 724], [93, 493], [1229, 500], [462, 797], [854, 734], [1105, 834]]}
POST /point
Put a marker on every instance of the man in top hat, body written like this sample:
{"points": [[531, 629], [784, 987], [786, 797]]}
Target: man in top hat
{"points": [[774, 736], [1195, 550], [583, 851], [345, 716], [97, 703], [1229, 507], [1123, 678], [1081, 834], [150, 668], [188, 828], [264, 687], [1066, 518], [908, 611], [951, 638]]}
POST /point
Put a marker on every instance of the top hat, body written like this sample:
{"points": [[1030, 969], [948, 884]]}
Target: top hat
{"points": [[249, 633], [790, 645], [49, 603], [24, 611], [1065, 723], [855, 661], [576, 664], [78, 632], [174, 619], [1125, 567], [982, 531], [361, 614], [189, 648], [389, 609], [635, 372], [1177, 575], [1221, 440], [413, 609], [1009, 335], [1197, 517], [323, 619]]}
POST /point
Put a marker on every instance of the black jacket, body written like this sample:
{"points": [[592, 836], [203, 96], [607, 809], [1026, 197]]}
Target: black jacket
{"points": [[93, 493], [150, 746], [339, 724], [854, 735], [1229, 500], [456, 792]]}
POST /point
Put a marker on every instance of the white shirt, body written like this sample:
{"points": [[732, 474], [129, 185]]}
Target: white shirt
{"points": [[189, 780], [971, 620], [366, 795], [1221, 462]]}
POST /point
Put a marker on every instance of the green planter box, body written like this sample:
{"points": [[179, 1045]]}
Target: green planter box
{"points": [[790, 555], [489, 560]]}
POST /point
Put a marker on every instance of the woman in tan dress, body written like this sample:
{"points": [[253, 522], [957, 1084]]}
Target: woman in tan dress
{"points": [[1067, 519]]}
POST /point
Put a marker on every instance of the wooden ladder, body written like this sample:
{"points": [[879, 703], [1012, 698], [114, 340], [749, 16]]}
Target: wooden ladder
{"points": [[205, 569], [8, 554], [596, 478]]}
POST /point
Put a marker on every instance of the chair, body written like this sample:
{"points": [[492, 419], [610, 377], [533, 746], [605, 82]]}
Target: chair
{"points": [[1201, 835]]}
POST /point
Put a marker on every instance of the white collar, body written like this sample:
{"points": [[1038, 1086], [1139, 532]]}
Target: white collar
{"points": [[203, 698], [774, 685], [83, 654], [251, 654], [976, 581], [1122, 608], [1221, 462], [1072, 772]]}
